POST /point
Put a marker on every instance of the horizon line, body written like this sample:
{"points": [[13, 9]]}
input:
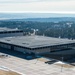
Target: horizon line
{"points": [[49, 12]]}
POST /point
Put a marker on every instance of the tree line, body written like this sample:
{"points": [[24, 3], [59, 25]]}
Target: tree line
{"points": [[63, 29]]}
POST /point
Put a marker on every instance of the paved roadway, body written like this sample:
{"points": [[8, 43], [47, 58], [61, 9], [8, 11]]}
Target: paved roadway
{"points": [[29, 67], [34, 67]]}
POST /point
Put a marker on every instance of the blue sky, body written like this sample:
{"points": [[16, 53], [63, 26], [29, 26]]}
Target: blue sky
{"points": [[38, 6]]}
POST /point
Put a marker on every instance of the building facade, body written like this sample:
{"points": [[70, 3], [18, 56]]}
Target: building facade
{"points": [[26, 44], [7, 32]]}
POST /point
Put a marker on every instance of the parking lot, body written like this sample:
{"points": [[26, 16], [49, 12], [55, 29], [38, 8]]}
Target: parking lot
{"points": [[34, 67], [37, 66]]}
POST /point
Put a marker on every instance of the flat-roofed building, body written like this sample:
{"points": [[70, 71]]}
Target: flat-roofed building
{"points": [[8, 32], [36, 44]]}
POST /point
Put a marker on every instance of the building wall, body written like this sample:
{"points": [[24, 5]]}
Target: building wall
{"points": [[11, 34], [35, 51], [5, 46], [22, 49], [62, 47], [42, 50], [16, 48]]}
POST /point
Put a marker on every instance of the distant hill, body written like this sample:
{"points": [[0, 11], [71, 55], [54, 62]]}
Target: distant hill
{"points": [[39, 17], [49, 19], [45, 19]]}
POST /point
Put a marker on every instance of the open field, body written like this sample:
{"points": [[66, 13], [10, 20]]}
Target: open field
{"points": [[2, 72]]}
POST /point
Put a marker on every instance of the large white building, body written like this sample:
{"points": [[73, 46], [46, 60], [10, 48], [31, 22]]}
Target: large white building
{"points": [[36, 44]]}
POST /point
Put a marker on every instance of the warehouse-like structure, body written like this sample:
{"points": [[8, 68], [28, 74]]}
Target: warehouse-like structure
{"points": [[8, 32], [36, 44]]}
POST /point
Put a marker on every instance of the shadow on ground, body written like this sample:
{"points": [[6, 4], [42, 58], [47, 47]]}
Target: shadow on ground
{"points": [[19, 54], [67, 58]]}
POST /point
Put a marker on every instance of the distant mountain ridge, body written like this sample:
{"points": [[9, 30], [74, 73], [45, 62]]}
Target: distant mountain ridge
{"points": [[39, 17], [33, 15], [45, 19], [50, 19]]}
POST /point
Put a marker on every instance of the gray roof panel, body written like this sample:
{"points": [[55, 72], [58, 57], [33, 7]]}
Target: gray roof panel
{"points": [[5, 29], [35, 41]]}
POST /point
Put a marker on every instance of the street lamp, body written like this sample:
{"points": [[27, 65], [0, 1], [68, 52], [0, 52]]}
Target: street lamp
{"points": [[62, 63]]}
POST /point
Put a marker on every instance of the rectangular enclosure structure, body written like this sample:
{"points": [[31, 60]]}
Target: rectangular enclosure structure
{"points": [[8, 32], [36, 44]]}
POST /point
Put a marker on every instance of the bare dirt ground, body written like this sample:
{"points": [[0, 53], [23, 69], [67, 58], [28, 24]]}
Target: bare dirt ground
{"points": [[65, 65], [2, 72]]}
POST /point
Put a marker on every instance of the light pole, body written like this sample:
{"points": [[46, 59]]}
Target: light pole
{"points": [[37, 58], [36, 61], [62, 63]]}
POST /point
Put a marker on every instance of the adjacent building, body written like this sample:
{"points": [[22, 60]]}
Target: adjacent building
{"points": [[8, 32]]}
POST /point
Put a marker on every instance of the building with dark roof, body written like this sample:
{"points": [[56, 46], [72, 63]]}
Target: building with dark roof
{"points": [[36, 44], [8, 32]]}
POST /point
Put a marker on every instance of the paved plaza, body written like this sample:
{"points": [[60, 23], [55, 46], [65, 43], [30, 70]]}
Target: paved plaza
{"points": [[35, 67]]}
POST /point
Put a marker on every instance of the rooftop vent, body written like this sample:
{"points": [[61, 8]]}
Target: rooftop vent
{"points": [[25, 43], [7, 40]]}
